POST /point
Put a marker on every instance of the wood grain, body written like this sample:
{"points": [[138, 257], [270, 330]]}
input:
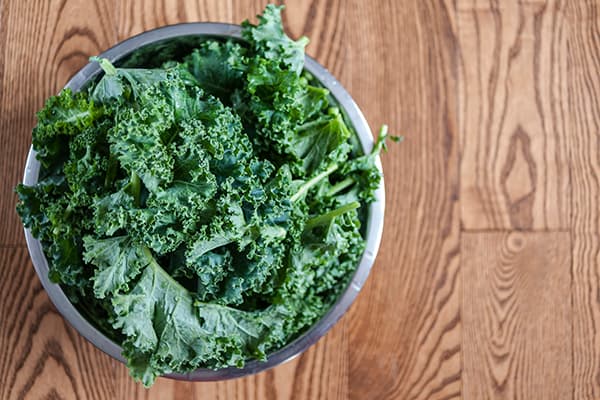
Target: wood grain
{"points": [[586, 315], [326, 24], [584, 110], [136, 16], [514, 172], [404, 337], [516, 316], [43, 357], [44, 44]]}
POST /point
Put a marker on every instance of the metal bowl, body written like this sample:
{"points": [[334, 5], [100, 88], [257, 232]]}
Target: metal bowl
{"points": [[171, 41]]}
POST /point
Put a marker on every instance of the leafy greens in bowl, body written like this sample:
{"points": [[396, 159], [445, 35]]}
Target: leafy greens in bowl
{"points": [[204, 212]]}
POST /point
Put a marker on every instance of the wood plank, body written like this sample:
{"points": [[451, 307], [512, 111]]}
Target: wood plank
{"points": [[404, 331], [584, 111], [512, 78], [3, 34], [586, 315], [516, 312], [45, 43], [583, 100]]}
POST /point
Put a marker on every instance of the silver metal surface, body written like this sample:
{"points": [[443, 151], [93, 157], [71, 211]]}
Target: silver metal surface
{"points": [[162, 37]]}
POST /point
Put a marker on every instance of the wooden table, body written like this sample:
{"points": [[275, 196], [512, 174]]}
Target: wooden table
{"points": [[487, 284]]}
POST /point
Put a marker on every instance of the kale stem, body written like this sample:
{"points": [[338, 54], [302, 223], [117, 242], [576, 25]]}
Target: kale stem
{"points": [[214, 244], [325, 218], [157, 268], [111, 171], [338, 187], [136, 187], [68, 211], [312, 182], [106, 65]]}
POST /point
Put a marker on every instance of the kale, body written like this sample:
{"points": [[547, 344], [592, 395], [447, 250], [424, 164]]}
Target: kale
{"points": [[206, 212]]}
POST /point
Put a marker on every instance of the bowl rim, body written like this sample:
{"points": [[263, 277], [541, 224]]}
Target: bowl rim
{"points": [[374, 220]]}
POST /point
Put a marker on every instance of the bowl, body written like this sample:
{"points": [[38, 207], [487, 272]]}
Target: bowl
{"points": [[153, 47]]}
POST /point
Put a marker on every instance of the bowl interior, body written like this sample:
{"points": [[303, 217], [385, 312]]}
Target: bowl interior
{"points": [[150, 49]]}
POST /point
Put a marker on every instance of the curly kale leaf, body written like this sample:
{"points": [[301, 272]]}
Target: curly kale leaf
{"points": [[270, 41], [68, 139], [218, 67], [118, 261], [62, 117], [57, 223], [139, 139], [317, 140], [363, 170], [285, 110], [118, 84]]}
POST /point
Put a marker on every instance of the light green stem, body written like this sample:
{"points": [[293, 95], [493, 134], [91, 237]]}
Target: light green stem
{"points": [[158, 269], [338, 187], [111, 171], [106, 65], [312, 182], [325, 218], [136, 187]]}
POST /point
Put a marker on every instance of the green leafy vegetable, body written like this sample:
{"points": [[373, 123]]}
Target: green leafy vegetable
{"points": [[206, 212]]}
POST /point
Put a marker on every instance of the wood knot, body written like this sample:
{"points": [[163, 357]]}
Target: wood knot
{"points": [[518, 180]]}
